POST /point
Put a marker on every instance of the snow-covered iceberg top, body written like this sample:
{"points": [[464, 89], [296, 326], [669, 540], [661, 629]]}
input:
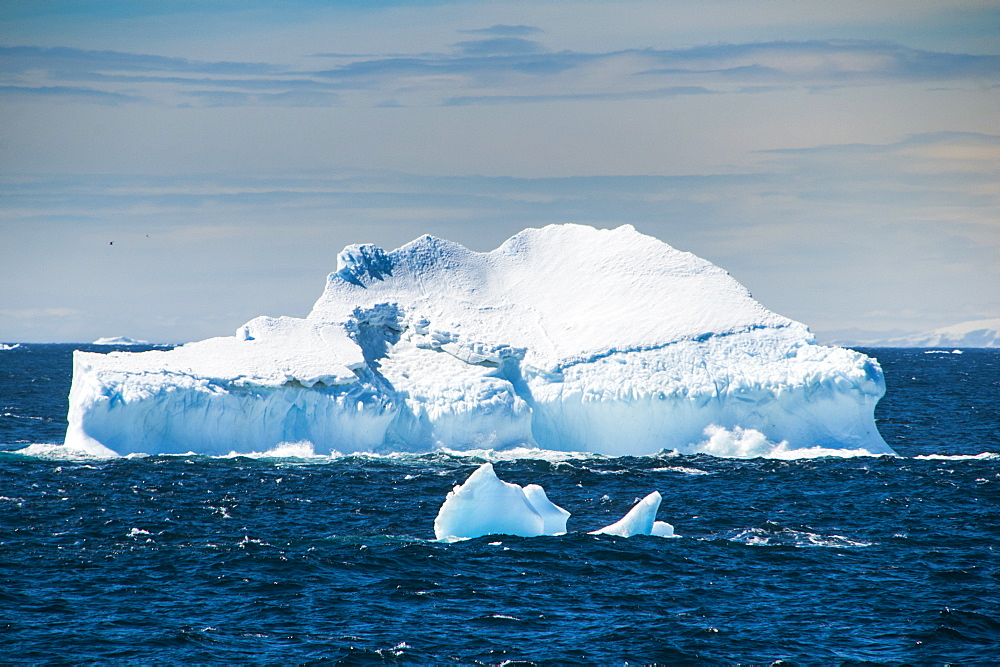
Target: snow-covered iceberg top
{"points": [[565, 337], [551, 297]]}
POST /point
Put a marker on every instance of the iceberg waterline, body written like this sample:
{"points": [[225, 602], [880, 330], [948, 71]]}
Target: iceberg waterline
{"points": [[567, 338]]}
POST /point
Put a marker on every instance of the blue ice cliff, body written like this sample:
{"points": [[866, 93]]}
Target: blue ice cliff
{"points": [[565, 338]]}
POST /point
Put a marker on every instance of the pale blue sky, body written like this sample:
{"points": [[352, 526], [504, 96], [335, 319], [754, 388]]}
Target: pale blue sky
{"points": [[841, 159]]}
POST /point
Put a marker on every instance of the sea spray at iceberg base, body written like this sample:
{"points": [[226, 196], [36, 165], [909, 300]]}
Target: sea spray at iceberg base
{"points": [[564, 338]]}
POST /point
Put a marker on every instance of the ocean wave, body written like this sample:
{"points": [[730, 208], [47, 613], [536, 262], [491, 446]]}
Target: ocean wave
{"points": [[748, 443], [773, 535], [681, 469], [14, 415], [985, 456], [735, 444], [55, 452]]}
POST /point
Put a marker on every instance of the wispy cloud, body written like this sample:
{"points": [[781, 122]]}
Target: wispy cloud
{"points": [[31, 313], [501, 30], [20, 59], [830, 61], [502, 67], [289, 98], [670, 91], [68, 93], [926, 162], [500, 46]]}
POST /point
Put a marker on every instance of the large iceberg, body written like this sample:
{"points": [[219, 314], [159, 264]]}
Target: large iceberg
{"points": [[565, 338]]}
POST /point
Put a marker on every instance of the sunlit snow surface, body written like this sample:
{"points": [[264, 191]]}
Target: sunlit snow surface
{"points": [[565, 338]]}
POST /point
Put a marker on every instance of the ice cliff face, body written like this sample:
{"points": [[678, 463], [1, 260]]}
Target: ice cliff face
{"points": [[566, 337]]}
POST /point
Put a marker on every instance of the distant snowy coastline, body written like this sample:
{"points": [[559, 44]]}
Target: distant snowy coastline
{"points": [[119, 340], [970, 334]]}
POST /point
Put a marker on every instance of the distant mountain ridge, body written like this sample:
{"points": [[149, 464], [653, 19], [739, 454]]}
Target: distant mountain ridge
{"points": [[973, 333]]}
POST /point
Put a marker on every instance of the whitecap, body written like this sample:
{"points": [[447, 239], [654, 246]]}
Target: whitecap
{"points": [[284, 450], [985, 456], [681, 469], [785, 537], [56, 452], [521, 453]]}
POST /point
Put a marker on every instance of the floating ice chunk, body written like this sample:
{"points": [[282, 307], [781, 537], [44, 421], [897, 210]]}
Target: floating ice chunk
{"points": [[552, 515], [663, 529], [486, 505], [119, 340], [639, 520]]}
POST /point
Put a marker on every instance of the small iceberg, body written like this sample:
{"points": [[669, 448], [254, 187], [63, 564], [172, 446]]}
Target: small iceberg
{"points": [[119, 340], [9, 346], [640, 520], [486, 505]]}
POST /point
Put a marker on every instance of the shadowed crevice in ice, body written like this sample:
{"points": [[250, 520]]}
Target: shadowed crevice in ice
{"points": [[361, 264]]}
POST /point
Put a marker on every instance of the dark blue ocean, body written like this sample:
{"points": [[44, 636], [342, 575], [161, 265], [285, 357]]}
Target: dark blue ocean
{"points": [[194, 559]]}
